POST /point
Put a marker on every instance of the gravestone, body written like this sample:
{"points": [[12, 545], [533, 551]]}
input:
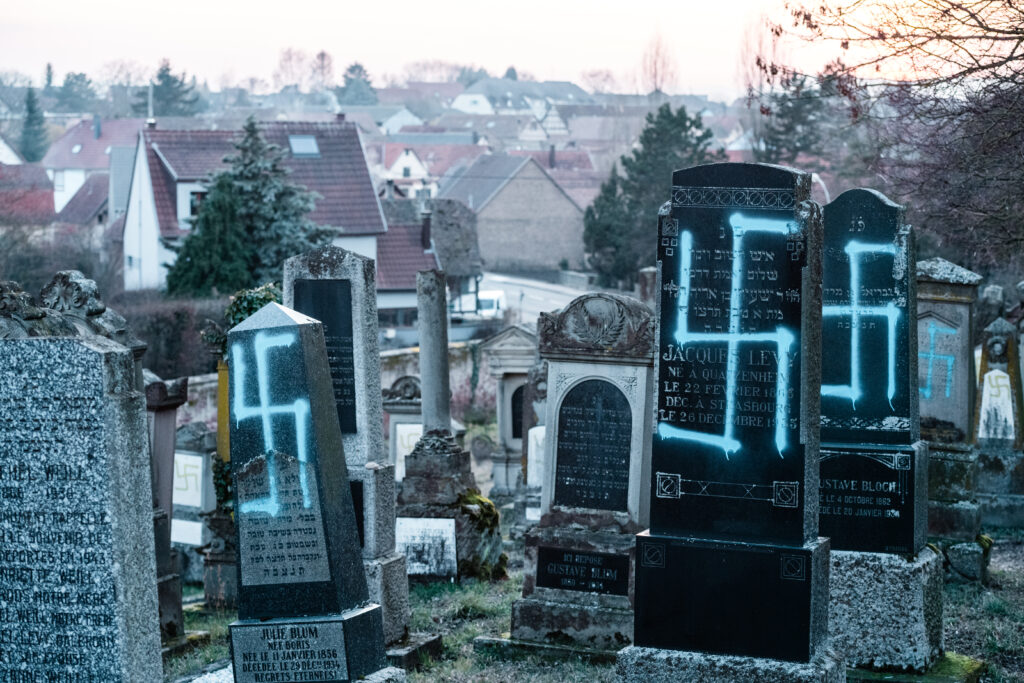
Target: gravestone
{"points": [[874, 467], [946, 296], [580, 565], [732, 578], [194, 496], [303, 607], [338, 288], [403, 405], [527, 508], [439, 482], [510, 354], [76, 509], [998, 428], [162, 402]]}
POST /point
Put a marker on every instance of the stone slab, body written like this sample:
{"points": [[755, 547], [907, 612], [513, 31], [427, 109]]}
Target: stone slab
{"points": [[957, 521], [388, 584], [560, 623], [508, 648], [413, 651], [373, 495], [1001, 509], [650, 665], [951, 668], [885, 611], [732, 598], [967, 562]]}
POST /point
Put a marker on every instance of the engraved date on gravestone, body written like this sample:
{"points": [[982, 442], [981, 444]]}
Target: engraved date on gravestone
{"points": [[592, 452], [297, 651], [330, 302], [582, 571]]}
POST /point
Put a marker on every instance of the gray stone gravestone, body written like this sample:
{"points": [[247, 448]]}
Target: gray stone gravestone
{"points": [[338, 288], [732, 578], [439, 483], [76, 509], [510, 355], [527, 505], [874, 468], [302, 587], [946, 296], [580, 563]]}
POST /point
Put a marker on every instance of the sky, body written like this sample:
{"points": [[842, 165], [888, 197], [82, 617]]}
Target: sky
{"points": [[224, 41]]}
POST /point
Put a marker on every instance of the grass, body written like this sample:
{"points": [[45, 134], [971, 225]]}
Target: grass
{"points": [[193, 662]]}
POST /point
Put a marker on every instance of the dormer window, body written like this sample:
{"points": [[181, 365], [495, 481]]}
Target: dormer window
{"points": [[76, 149], [304, 146], [406, 171], [195, 200]]}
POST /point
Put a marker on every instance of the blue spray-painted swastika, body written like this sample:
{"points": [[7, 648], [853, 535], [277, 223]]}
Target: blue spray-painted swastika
{"points": [[298, 409], [854, 390], [783, 338], [931, 357]]}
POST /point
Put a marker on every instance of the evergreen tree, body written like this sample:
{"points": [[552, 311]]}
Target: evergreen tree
{"points": [[76, 94], [48, 80], [794, 123], [172, 95], [670, 141], [272, 210], [34, 140], [511, 74], [215, 256], [357, 88]]}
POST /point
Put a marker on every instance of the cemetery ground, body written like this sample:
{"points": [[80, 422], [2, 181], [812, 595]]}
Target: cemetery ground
{"points": [[982, 621]]}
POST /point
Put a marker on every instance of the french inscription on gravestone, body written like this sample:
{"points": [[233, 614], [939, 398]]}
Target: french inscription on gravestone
{"points": [[299, 651], [578, 570], [330, 302], [865, 386], [727, 454], [593, 447]]}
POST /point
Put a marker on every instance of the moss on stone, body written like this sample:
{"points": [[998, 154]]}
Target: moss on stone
{"points": [[481, 510]]}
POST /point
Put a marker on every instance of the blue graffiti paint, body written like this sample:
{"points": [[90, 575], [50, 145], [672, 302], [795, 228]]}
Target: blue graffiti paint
{"points": [[783, 338], [931, 357], [299, 410], [855, 310]]}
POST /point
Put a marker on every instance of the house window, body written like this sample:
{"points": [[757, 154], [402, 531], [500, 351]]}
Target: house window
{"points": [[58, 180], [195, 200], [424, 193], [406, 171], [130, 261], [303, 146]]}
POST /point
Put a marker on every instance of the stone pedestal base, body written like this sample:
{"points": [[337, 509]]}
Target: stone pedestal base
{"points": [[220, 580], [338, 647], [885, 612], [1001, 509], [958, 521], [388, 585], [414, 650], [506, 467], [967, 562], [651, 665], [598, 628]]}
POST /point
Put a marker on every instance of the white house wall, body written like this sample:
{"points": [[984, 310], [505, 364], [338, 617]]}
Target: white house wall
{"points": [[141, 231], [364, 245], [7, 155], [185, 191], [73, 179], [472, 103]]}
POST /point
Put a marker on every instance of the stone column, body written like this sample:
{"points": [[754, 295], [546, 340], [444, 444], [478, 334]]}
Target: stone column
{"points": [[432, 308]]}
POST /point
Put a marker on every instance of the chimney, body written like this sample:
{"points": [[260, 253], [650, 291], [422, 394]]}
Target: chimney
{"points": [[151, 123], [389, 189], [340, 116], [551, 157], [425, 232], [97, 129]]}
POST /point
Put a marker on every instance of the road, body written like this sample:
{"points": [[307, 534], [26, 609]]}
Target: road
{"points": [[529, 297]]}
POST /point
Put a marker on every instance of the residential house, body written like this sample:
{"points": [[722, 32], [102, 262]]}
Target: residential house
{"points": [[525, 220], [26, 196], [9, 154], [416, 169], [167, 187], [505, 96], [572, 169], [87, 212], [378, 119], [83, 150]]}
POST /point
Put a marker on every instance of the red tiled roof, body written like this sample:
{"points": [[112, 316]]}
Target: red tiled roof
{"points": [[26, 195], [89, 201], [93, 151], [339, 175], [400, 256], [437, 158]]}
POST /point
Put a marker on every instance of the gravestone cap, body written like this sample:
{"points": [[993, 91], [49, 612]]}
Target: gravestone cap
{"points": [[599, 326], [270, 316], [940, 270]]}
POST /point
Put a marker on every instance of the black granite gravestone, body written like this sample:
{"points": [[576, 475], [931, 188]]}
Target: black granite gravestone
{"points": [[330, 302], [299, 552], [594, 430], [873, 476], [732, 563]]}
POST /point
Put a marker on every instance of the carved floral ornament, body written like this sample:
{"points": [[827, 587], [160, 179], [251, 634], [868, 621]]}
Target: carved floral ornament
{"points": [[71, 292], [607, 325]]}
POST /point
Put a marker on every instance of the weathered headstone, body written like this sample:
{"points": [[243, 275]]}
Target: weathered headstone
{"points": [[403, 405], [302, 588], [999, 428], [732, 576], [78, 569], [535, 394], [578, 588], [946, 295], [874, 468], [338, 288], [439, 483], [510, 355]]}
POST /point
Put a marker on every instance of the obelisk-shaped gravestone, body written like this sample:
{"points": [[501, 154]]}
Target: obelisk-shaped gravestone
{"points": [[77, 571], [874, 468], [338, 288], [732, 574], [302, 591]]}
